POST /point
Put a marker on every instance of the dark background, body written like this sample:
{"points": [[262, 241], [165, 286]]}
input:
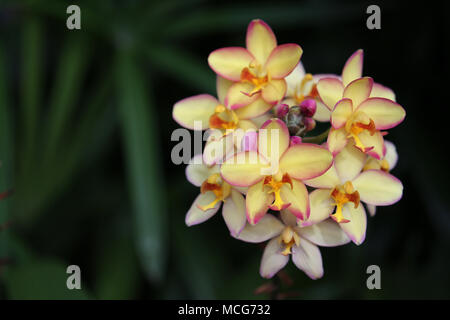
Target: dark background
{"points": [[85, 127]]}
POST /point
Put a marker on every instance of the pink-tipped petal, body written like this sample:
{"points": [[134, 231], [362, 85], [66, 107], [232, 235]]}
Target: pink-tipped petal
{"points": [[349, 162], [197, 171], [358, 90], [233, 213], [272, 260], [337, 140], [297, 197], [253, 110], [273, 139], [222, 86], [325, 234], [195, 215], [305, 161], [356, 227], [374, 144], [243, 169], [195, 109], [267, 228], [321, 204], [341, 113], [283, 60], [380, 91], [330, 91], [257, 202], [378, 188], [322, 114], [229, 62], [260, 40], [274, 91], [385, 113], [307, 258], [353, 67], [237, 95]]}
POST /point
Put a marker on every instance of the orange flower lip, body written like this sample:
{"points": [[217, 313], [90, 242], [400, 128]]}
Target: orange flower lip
{"points": [[275, 187], [258, 82], [342, 195], [217, 122]]}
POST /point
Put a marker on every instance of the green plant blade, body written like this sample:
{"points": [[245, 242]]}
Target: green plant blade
{"points": [[146, 185]]}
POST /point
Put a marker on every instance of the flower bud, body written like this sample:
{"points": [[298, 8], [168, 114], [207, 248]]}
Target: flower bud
{"points": [[295, 140], [308, 107], [281, 110]]}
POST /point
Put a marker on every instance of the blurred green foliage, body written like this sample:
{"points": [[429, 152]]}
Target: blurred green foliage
{"points": [[85, 126]]}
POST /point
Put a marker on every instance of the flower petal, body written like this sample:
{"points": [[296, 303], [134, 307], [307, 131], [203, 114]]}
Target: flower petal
{"points": [[349, 162], [356, 227], [341, 113], [358, 90], [195, 215], [330, 91], [283, 60], [217, 147], [257, 202], [229, 62], [391, 155], [337, 140], [288, 218], [294, 79], [325, 234], [322, 114], [385, 113], [233, 212], [236, 96], [197, 108], [197, 171], [353, 67], [260, 40], [372, 209], [273, 139], [222, 86], [297, 197], [243, 169], [305, 161], [378, 188], [307, 257], [322, 205], [380, 91], [267, 228], [375, 141], [255, 109], [274, 91], [272, 259]]}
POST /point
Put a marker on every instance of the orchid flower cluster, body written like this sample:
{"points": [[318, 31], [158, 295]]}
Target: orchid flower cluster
{"points": [[276, 183]]}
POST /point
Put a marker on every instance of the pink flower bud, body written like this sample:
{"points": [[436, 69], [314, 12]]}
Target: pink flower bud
{"points": [[295, 140], [249, 141], [309, 123], [308, 107], [281, 110]]}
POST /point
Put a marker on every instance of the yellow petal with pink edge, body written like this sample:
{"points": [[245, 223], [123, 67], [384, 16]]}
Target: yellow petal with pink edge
{"points": [[378, 188], [305, 161], [353, 67], [321, 206], [255, 109], [358, 90], [195, 109], [341, 113], [357, 225], [337, 140], [273, 139], [328, 180], [229, 62], [373, 144], [380, 91], [283, 60], [322, 114], [243, 169], [260, 40], [274, 91], [349, 162], [257, 202], [195, 215], [237, 95], [222, 86], [385, 113], [297, 196], [330, 91]]}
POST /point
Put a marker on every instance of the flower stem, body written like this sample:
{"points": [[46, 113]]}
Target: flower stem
{"points": [[317, 139]]}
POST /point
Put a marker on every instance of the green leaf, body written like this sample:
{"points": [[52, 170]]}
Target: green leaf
{"points": [[42, 279], [142, 154]]}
